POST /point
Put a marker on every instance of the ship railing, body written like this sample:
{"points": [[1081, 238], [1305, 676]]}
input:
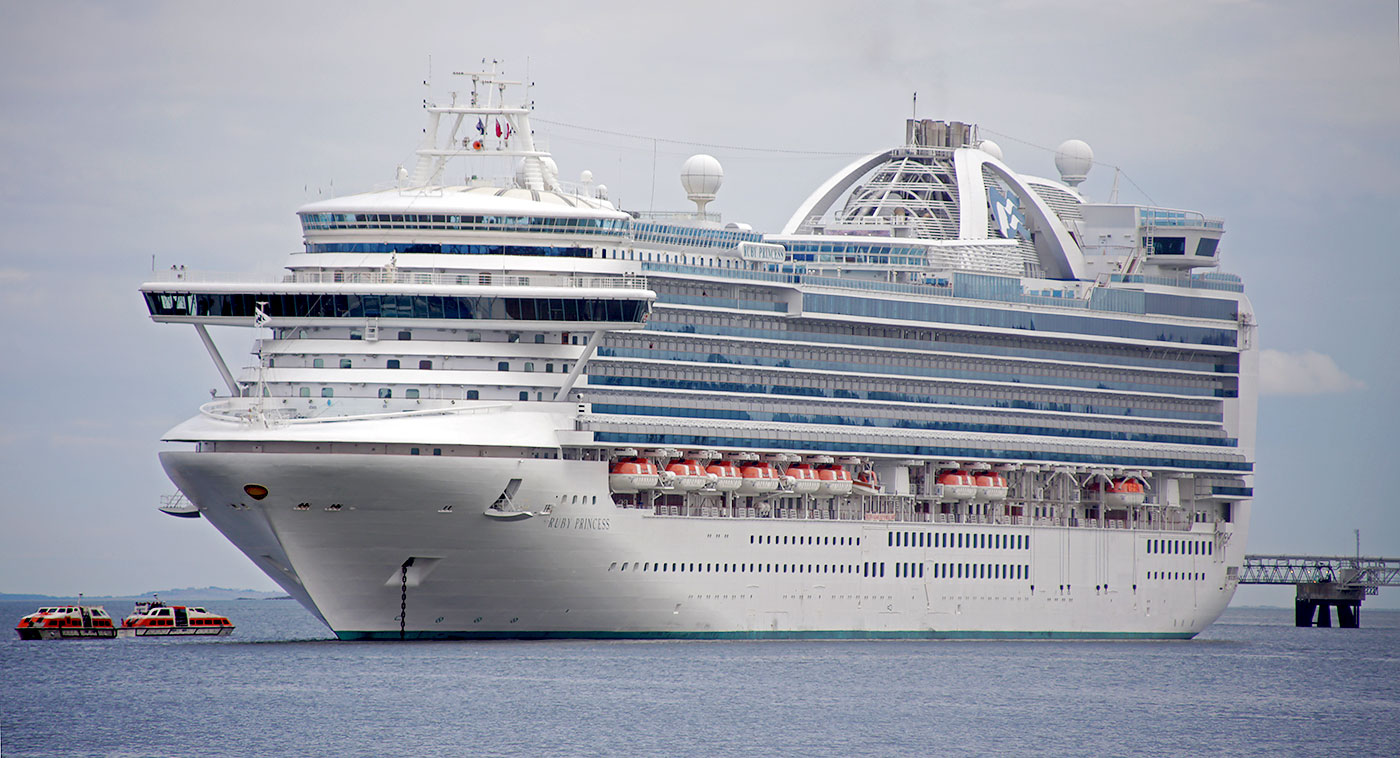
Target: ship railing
{"points": [[475, 279]]}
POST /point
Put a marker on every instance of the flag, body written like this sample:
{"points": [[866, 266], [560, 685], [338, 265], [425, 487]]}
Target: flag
{"points": [[498, 128], [480, 128], [507, 130]]}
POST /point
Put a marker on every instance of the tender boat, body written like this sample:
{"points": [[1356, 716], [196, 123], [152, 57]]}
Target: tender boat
{"points": [[155, 618], [957, 485], [67, 622], [804, 479], [633, 475], [689, 474], [727, 477], [991, 486], [758, 478], [834, 480], [1120, 493]]}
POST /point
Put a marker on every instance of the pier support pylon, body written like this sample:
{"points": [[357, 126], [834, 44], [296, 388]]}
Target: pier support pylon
{"points": [[1318, 598]]}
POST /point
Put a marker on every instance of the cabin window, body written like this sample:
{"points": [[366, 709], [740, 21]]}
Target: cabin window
{"points": [[529, 365], [305, 392], [425, 365], [391, 363], [539, 339], [503, 366], [411, 394], [317, 363], [549, 368], [473, 395], [524, 395], [405, 335], [327, 392], [385, 392]]}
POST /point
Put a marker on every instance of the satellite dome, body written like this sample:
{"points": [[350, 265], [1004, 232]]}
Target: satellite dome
{"points": [[1074, 159], [701, 176], [991, 148], [586, 177]]}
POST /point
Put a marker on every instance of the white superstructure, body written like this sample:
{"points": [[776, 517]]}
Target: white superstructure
{"points": [[948, 399]]}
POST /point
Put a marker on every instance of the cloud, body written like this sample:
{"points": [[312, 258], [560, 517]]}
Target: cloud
{"points": [[1302, 373]]}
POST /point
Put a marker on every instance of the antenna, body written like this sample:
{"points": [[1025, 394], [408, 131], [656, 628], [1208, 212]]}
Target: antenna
{"points": [[915, 114]]}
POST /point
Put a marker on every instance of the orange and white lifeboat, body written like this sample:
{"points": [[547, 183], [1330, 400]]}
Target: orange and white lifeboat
{"points": [[834, 480], [726, 476], [957, 485], [67, 622], [804, 478], [633, 475], [157, 619], [866, 483], [687, 474], [991, 486], [759, 478], [1122, 493]]}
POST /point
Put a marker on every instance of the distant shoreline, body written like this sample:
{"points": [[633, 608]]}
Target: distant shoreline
{"points": [[177, 594]]}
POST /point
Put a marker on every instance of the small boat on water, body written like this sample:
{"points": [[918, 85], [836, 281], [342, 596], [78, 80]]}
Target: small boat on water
{"points": [[67, 622], [155, 618]]}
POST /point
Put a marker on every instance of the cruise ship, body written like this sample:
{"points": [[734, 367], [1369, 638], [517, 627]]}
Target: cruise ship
{"points": [[946, 400]]}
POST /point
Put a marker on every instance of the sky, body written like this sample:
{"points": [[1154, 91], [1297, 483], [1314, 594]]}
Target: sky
{"points": [[154, 133]]}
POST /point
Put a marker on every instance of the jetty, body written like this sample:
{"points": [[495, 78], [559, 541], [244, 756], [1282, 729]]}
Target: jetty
{"points": [[1324, 582]]}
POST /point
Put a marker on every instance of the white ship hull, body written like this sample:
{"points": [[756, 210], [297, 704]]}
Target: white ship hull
{"points": [[336, 530]]}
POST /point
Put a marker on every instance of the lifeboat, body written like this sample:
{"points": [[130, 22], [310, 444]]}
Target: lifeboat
{"points": [[154, 618], [633, 475], [67, 622], [957, 485], [759, 478], [1121, 493], [687, 474], [991, 486], [727, 477], [866, 483], [834, 480], [804, 479]]}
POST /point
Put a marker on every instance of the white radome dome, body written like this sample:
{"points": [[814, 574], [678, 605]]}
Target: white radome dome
{"points": [[1073, 158], [701, 176], [991, 148], [586, 177]]}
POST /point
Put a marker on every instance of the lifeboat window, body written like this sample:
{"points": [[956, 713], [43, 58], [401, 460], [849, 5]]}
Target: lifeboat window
{"points": [[411, 394], [473, 395]]}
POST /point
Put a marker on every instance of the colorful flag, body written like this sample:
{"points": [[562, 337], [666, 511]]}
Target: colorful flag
{"points": [[480, 128], [507, 130], [498, 128]]}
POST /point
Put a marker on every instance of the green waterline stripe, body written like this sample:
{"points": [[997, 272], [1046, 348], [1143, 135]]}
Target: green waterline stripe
{"points": [[836, 634]]}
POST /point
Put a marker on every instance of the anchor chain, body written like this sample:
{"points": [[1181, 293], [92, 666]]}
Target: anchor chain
{"points": [[403, 596]]}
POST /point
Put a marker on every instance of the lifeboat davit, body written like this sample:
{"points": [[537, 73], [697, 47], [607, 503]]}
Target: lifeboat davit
{"points": [[687, 474], [991, 486], [804, 479], [957, 485], [866, 483], [834, 480], [633, 475], [1122, 493], [726, 476], [759, 478]]}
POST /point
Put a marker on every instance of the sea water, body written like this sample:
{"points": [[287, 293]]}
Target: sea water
{"points": [[1252, 684]]}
